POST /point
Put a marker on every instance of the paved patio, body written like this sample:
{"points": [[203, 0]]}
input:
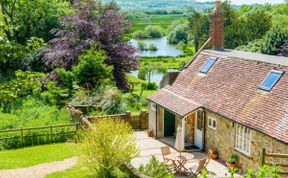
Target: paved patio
{"points": [[149, 146]]}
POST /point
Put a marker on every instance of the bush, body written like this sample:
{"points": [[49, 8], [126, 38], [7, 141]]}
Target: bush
{"points": [[178, 34], [91, 70], [152, 86], [107, 146], [139, 35], [142, 46], [156, 169], [152, 47], [154, 31]]}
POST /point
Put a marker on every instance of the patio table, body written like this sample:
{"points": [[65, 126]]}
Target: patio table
{"points": [[179, 161]]}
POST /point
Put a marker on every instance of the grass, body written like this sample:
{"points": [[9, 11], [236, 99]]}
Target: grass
{"points": [[31, 156], [168, 62], [78, 171], [162, 20]]}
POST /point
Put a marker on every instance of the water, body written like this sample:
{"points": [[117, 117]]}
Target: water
{"points": [[155, 77], [164, 49]]}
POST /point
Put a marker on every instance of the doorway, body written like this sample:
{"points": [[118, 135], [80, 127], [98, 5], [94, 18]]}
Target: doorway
{"points": [[199, 129], [169, 123]]}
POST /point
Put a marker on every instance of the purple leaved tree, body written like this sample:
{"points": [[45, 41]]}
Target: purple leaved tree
{"points": [[93, 24], [283, 50]]}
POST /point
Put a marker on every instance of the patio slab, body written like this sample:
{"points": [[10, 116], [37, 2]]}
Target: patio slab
{"points": [[151, 147]]}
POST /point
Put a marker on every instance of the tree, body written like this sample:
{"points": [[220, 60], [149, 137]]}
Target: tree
{"points": [[24, 19], [94, 24], [107, 145], [91, 70], [199, 26], [178, 34], [283, 51]]}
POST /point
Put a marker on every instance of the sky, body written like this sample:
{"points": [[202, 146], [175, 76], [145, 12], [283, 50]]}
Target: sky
{"points": [[240, 2]]}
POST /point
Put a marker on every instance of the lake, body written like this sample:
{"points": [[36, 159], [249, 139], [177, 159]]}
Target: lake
{"points": [[155, 77], [164, 49]]}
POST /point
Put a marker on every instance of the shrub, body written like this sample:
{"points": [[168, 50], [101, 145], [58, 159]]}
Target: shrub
{"points": [[139, 35], [178, 34], [107, 145], [154, 31], [91, 70], [152, 47], [156, 169], [152, 86], [233, 159], [142, 45]]}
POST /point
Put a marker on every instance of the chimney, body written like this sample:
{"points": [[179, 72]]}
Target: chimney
{"points": [[217, 27]]}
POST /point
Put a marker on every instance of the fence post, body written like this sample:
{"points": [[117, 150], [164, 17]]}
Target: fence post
{"points": [[22, 137], [128, 117], [51, 134], [263, 156]]}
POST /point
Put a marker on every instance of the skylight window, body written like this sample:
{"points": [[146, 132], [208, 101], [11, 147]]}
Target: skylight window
{"points": [[208, 65], [270, 81]]}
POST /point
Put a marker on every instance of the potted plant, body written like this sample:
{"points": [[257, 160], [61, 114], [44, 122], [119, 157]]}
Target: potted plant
{"points": [[213, 153], [232, 162]]}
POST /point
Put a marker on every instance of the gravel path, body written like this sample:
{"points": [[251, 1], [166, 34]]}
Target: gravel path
{"points": [[40, 170]]}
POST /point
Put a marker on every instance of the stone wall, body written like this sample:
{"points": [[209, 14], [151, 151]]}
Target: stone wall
{"points": [[190, 129], [223, 138], [152, 120], [160, 122]]}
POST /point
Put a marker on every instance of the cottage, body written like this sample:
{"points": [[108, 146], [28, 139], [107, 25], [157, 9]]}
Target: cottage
{"points": [[234, 101]]}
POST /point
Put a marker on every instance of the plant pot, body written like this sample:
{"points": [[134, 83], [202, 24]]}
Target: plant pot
{"points": [[231, 165], [149, 132], [214, 156]]}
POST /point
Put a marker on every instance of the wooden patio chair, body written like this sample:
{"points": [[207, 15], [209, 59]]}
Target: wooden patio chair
{"points": [[202, 164], [166, 151]]}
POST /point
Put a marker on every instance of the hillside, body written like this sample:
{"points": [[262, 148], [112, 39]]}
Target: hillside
{"points": [[163, 4]]}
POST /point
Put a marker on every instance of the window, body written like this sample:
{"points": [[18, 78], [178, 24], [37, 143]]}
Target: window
{"points": [[211, 61], [153, 106], [271, 79], [212, 123], [243, 139]]}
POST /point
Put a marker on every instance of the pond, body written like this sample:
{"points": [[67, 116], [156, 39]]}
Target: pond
{"points": [[164, 49], [155, 77]]}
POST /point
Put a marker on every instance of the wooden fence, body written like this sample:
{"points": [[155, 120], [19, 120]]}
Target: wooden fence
{"points": [[282, 156], [14, 138], [138, 122]]}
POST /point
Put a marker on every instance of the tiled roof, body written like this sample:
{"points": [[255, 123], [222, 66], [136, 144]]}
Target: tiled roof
{"points": [[230, 88], [174, 102]]}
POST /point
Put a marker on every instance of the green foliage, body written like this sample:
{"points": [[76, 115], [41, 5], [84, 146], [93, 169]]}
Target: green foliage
{"points": [[149, 86], [105, 99], [142, 45], [25, 83], [91, 70], [273, 40], [263, 172], [154, 31], [199, 26], [139, 34], [178, 32], [108, 145], [156, 169], [54, 94], [204, 174], [66, 78], [152, 47], [233, 159]]}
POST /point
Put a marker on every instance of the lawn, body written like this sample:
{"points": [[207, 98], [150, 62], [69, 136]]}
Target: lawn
{"points": [[77, 171], [31, 156], [168, 62]]}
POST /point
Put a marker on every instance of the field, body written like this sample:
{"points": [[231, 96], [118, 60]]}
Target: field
{"points": [[139, 23], [167, 62]]}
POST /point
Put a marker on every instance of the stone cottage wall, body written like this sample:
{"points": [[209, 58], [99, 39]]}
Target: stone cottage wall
{"points": [[152, 119], [223, 138]]}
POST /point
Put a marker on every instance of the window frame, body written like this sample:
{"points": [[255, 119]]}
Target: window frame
{"points": [[274, 83], [241, 139], [212, 120], [153, 106], [214, 59]]}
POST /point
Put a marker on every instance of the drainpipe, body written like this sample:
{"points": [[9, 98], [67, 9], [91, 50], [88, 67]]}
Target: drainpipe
{"points": [[204, 129]]}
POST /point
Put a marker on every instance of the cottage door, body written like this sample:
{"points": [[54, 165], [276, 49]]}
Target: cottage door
{"points": [[199, 129]]}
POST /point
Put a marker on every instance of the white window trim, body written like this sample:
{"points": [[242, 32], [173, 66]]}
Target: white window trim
{"points": [[153, 106], [211, 126], [243, 138]]}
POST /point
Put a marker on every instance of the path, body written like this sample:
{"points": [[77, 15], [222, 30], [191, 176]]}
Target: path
{"points": [[40, 170]]}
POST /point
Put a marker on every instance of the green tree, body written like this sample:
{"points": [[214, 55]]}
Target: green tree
{"points": [[199, 28], [178, 34], [154, 31], [107, 145], [91, 70]]}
